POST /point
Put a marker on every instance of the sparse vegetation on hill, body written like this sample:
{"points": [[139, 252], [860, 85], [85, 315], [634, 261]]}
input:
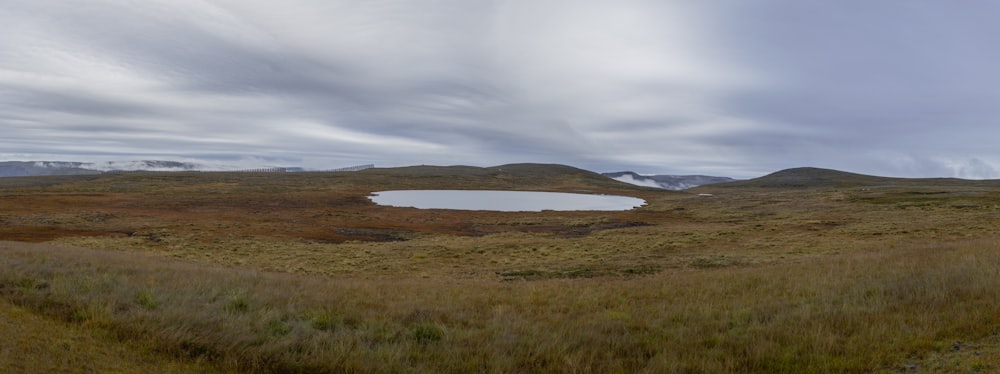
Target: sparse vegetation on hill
{"points": [[301, 273], [817, 177]]}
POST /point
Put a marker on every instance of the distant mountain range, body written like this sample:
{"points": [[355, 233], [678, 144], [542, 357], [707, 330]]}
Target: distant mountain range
{"points": [[668, 182], [32, 168], [43, 168]]}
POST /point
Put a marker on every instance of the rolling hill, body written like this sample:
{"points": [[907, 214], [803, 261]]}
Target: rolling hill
{"points": [[523, 176], [818, 177]]}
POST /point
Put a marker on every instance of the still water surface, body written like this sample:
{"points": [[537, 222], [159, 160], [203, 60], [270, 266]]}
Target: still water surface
{"points": [[507, 201]]}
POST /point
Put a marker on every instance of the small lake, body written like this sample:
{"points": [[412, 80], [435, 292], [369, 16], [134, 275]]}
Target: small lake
{"points": [[507, 201]]}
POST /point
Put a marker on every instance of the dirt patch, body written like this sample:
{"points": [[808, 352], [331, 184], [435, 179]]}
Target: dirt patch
{"points": [[38, 234], [344, 234]]}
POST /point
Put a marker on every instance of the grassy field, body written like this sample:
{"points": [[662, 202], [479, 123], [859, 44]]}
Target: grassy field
{"points": [[35, 344], [802, 271]]}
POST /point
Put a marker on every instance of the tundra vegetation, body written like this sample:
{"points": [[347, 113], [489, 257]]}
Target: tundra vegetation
{"points": [[805, 270]]}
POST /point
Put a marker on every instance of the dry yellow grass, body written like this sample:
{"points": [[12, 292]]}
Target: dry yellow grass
{"points": [[877, 310], [816, 279], [35, 344]]}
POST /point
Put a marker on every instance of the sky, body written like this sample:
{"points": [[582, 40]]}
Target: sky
{"points": [[717, 87]]}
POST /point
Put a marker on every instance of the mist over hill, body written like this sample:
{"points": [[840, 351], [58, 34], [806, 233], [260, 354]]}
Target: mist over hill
{"points": [[668, 182], [44, 168]]}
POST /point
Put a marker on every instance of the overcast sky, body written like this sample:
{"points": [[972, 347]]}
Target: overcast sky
{"points": [[720, 87]]}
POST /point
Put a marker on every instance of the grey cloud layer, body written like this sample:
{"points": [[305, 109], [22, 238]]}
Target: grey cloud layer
{"points": [[731, 88]]}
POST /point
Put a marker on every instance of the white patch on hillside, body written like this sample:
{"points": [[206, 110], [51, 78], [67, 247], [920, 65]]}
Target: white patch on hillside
{"points": [[627, 178]]}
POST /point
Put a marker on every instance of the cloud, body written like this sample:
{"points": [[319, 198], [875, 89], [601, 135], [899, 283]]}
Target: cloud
{"points": [[628, 178], [671, 87]]}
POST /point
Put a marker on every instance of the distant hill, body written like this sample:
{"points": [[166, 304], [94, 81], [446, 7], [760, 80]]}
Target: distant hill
{"points": [[818, 177], [668, 182], [511, 176], [47, 168], [811, 177], [43, 168], [525, 170]]}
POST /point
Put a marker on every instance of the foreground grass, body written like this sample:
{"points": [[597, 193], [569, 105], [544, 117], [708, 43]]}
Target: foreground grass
{"points": [[879, 309], [34, 344]]}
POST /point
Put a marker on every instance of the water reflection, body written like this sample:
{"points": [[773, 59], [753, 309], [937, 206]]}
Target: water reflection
{"points": [[508, 201]]}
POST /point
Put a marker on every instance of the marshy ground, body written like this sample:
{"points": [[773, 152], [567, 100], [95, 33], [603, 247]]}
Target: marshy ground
{"points": [[807, 270]]}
